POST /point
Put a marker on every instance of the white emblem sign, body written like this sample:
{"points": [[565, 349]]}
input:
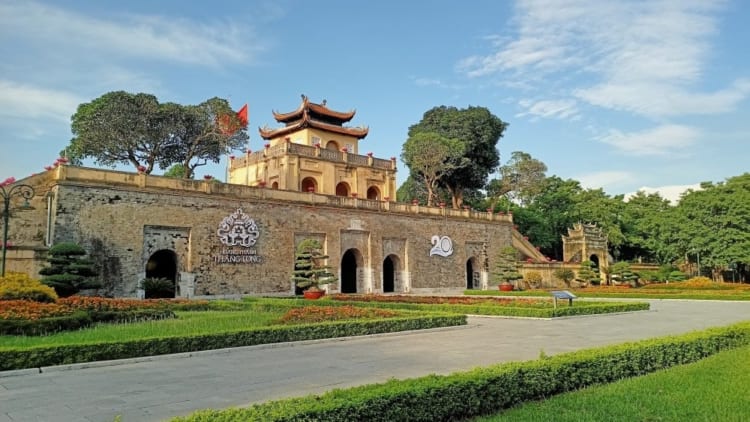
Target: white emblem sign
{"points": [[441, 246], [238, 229]]}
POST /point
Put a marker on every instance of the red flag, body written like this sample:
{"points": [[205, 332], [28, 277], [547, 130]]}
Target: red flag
{"points": [[242, 114], [226, 127]]}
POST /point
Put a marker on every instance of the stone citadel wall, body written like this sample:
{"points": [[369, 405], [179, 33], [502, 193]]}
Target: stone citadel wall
{"points": [[124, 218]]}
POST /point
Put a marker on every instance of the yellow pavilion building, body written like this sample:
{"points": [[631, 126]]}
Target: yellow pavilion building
{"points": [[315, 152]]}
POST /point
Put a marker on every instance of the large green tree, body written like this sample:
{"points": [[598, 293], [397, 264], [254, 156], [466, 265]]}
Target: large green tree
{"points": [[125, 128], [118, 128], [714, 224], [479, 131], [431, 156], [521, 179], [201, 134]]}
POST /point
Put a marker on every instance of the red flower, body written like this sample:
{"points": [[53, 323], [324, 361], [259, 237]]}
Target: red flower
{"points": [[369, 154], [141, 169], [231, 157], [48, 168], [208, 177]]}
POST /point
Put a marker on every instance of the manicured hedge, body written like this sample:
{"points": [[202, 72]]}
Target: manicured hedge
{"points": [[578, 308], [488, 390], [67, 354]]}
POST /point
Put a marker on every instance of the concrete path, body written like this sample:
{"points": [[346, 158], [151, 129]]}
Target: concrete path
{"points": [[177, 385]]}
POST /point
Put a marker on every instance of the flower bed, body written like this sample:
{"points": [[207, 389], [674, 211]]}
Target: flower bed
{"points": [[25, 317], [314, 314]]}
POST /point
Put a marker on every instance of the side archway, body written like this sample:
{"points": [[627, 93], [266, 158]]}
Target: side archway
{"points": [[472, 274], [391, 267], [332, 146], [162, 264], [351, 262]]}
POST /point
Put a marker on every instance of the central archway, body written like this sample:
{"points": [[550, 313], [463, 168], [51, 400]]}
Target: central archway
{"points": [[342, 189], [161, 265], [309, 185], [350, 262]]}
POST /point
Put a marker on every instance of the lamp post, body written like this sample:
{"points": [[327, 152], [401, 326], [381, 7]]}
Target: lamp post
{"points": [[24, 191]]}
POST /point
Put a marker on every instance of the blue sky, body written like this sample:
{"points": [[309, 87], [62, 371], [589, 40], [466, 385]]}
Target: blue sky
{"points": [[621, 95]]}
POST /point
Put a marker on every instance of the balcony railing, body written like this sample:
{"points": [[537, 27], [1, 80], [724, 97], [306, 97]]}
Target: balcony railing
{"points": [[310, 151]]}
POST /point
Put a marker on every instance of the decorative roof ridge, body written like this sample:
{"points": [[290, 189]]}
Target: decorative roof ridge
{"points": [[307, 105]]}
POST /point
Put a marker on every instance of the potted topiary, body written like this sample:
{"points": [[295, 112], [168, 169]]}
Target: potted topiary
{"points": [[310, 271], [506, 270]]}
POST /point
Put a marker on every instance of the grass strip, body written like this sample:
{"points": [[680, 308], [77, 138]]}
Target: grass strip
{"points": [[713, 389]]}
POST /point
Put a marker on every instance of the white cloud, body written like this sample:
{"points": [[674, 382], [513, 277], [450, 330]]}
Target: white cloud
{"points": [[605, 179], [29, 101], [669, 192], [659, 140], [561, 109], [644, 57], [150, 37]]}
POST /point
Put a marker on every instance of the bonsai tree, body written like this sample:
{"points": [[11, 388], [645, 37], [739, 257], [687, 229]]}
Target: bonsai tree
{"points": [[506, 270], [69, 272], [586, 273], [566, 275], [310, 270], [622, 273]]}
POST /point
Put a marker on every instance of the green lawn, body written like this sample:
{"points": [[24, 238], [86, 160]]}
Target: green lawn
{"points": [[186, 324], [713, 389]]}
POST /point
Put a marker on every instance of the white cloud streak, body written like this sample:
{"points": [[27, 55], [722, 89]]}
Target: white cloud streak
{"points": [[642, 56], [660, 140], [605, 179], [561, 109], [149, 37], [28, 101]]}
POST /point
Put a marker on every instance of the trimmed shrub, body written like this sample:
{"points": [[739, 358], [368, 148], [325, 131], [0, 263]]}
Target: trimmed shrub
{"points": [[19, 286], [69, 272], [20, 358]]}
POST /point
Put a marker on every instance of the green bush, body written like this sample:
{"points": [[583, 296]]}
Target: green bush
{"points": [[45, 326], [20, 358], [158, 288], [487, 390]]}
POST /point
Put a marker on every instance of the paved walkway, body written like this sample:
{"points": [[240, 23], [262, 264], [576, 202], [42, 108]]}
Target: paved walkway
{"points": [[177, 385]]}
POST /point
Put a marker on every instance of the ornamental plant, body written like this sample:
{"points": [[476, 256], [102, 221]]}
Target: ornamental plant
{"points": [[19, 286], [69, 271], [586, 273], [622, 273], [506, 270], [566, 275], [310, 270]]}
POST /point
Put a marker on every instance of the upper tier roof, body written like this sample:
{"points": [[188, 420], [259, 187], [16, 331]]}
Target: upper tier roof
{"points": [[316, 111], [316, 116]]}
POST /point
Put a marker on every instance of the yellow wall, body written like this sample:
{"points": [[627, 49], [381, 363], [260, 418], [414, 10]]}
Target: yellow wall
{"points": [[305, 137]]}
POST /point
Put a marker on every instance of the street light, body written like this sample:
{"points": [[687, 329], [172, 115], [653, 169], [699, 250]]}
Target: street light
{"points": [[24, 191]]}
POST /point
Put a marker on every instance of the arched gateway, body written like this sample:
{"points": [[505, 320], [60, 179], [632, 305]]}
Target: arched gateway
{"points": [[351, 262]]}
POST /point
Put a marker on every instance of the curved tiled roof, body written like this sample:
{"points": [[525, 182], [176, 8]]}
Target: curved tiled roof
{"points": [[317, 110], [305, 122]]}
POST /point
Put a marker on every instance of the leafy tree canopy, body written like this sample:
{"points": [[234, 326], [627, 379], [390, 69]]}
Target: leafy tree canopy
{"points": [[431, 156], [479, 131], [124, 128]]}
